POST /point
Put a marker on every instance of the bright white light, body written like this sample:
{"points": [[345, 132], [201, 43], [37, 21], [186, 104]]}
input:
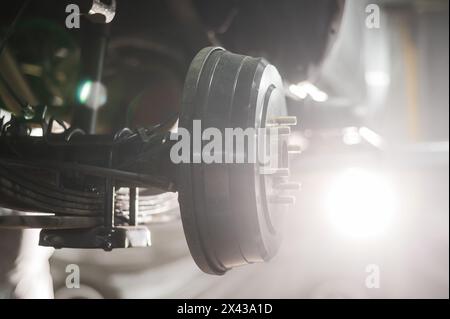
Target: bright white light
{"points": [[318, 96], [350, 136], [36, 131], [92, 94], [360, 204], [377, 78], [305, 88], [85, 91], [298, 90], [371, 137], [5, 115]]}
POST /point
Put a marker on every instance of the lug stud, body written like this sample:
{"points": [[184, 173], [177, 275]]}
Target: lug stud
{"points": [[279, 172], [280, 130], [294, 149], [287, 186], [284, 120], [283, 200]]}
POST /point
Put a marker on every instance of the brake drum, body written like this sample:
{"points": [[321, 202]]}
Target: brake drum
{"points": [[232, 213]]}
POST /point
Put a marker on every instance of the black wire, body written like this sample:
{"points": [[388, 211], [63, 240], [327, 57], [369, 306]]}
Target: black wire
{"points": [[151, 130], [12, 26]]}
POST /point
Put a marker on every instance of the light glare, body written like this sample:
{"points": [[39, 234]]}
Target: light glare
{"points": [[85, 91], [377, 78], [360, 204], [305, 88]]}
